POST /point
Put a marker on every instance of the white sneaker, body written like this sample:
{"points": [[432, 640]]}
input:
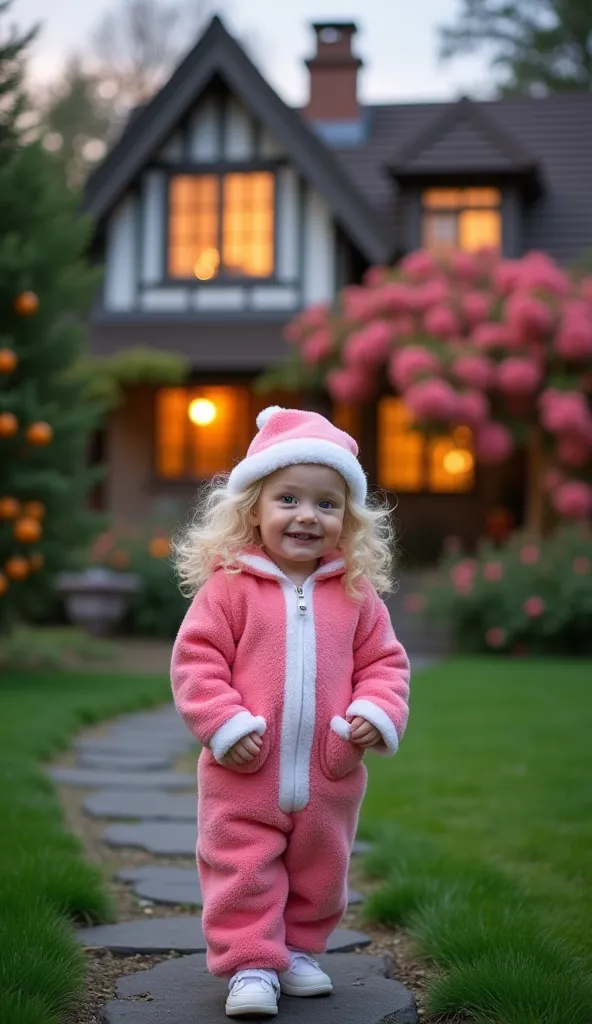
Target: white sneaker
{"points": [[253, 991], [305, 977]]}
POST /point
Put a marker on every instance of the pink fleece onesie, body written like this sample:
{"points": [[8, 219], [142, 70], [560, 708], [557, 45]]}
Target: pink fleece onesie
{"points": [[255, 653]]}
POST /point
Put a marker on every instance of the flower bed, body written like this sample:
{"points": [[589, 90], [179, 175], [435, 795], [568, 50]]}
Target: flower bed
{"points": [[523, 597]]}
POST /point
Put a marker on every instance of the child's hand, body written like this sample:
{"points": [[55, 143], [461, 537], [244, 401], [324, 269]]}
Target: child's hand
{"points": [[363, 734], [243, 751]]}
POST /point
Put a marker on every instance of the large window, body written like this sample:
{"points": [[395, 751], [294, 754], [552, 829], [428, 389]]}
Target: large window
{"points": [[461, 218], [406, 460], [201, 431], [221, 225]]}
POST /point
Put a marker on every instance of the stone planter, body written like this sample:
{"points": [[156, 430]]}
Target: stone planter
{"points": [[97, 599]]}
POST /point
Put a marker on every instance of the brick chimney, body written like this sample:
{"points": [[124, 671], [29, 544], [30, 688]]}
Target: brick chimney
{"points": [[333, 74]]}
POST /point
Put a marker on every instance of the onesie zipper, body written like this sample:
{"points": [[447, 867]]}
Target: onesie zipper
{"points": [[299, 704]]}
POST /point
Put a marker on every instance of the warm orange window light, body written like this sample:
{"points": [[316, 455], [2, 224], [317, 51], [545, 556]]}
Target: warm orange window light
{"points": [[193, 226], [200, 431], [247, 238], [221, 225], [409, 462], [461, 218]]}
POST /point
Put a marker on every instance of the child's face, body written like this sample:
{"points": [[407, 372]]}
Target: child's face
{"points": [[300, 515]]}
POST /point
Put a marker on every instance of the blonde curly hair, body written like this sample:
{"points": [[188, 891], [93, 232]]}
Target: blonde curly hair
{"points": [[221, 528]]}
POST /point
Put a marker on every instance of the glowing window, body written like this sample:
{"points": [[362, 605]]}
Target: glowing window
{"points": [[461, 218], [407, 461], [200, 431], [221, 225]]}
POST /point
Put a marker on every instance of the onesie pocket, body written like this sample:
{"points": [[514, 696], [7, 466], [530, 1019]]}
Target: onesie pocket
{"points": [[250, 767], [339, 756]]}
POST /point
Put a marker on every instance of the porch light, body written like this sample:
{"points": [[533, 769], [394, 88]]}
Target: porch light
{"points": [[202, 412], [459, 460], [207, 265]]}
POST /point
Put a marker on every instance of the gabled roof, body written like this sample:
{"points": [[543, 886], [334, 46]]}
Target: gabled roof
{"points": [[463, 139], [217, 53]]}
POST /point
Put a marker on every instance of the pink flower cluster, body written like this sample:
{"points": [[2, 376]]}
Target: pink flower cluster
{"points": [[471, 339]]}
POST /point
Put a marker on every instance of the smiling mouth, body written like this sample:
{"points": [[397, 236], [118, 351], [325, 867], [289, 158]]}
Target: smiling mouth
{"points": [[303, 536]]}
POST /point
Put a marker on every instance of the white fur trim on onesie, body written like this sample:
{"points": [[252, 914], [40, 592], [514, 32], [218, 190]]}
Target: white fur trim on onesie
{"points": [[235, 729], [379, 719]]}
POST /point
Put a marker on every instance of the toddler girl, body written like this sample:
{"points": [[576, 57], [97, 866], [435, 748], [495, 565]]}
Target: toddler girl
{"points": [[286, 669]]}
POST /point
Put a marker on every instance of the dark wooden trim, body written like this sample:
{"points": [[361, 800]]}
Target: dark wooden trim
{"points": [[218, 55]]}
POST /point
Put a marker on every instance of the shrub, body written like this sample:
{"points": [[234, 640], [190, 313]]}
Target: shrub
{"points": [[526, 596], [158, 607]]}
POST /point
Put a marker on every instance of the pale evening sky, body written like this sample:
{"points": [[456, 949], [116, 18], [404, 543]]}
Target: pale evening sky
{"points": [[397, 40]]}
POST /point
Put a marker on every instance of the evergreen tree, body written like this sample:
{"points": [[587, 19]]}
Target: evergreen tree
{"points": [[540, 46], [45, 418]]}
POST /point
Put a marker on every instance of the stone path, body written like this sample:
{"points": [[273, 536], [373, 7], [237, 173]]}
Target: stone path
{"points": [[129, 771]]}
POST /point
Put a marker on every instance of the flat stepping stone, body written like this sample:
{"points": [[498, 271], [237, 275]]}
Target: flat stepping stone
{"points": [[172, 840], [182, 992], [136, 744], [111, 803], [178, 886], [181, 935], [123, 763], [87, 778]]}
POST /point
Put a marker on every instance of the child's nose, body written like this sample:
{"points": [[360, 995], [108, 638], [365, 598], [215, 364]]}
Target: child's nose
{"points": [[306, 513]]}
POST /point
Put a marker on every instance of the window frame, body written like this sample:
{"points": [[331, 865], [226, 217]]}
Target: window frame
{"points": [[220, 171], [426, 211]]}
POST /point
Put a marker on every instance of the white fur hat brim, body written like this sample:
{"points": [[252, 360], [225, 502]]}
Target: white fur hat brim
{"points": [[295, 451]]}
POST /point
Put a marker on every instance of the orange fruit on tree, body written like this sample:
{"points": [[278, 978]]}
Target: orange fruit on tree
{"points": [[9, 508], [34, 509], [39, 433], [26, 304], [8, 360], [27, 530], [8, 424], [37, 561], [3, 584], [17, 568]]}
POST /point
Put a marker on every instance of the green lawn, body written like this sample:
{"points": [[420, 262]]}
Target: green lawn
{"points": [[44, 880], [486, 824]]}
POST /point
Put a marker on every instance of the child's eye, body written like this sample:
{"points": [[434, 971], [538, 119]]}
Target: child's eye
{"points": [[325, 503], [287, 499]]}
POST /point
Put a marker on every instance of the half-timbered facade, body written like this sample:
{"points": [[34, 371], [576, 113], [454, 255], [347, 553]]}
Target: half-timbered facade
{"points": [[220, 212]]}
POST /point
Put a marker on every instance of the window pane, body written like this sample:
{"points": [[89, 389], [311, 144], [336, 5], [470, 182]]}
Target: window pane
{"points": [[479, 229], [248, 224], [212, 441], [171, 412], [440, 231], [488, 197], [456, 198], [193, 226], [442, 198], [451, 464], [217, 445], [400, 448], [347, 416]]}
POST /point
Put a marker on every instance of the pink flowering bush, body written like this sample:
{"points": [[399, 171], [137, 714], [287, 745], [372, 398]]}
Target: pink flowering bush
{"points": [[501, 346], [525, 597]]}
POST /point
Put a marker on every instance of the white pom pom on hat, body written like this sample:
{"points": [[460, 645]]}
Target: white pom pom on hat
{"points": [[290, 437], [265, 414]]}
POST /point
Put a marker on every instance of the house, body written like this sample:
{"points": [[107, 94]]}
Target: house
{"points": [[221, 212]]}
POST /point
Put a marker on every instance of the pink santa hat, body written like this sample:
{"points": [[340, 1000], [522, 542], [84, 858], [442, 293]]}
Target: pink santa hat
{"points": [[288, 437]]}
